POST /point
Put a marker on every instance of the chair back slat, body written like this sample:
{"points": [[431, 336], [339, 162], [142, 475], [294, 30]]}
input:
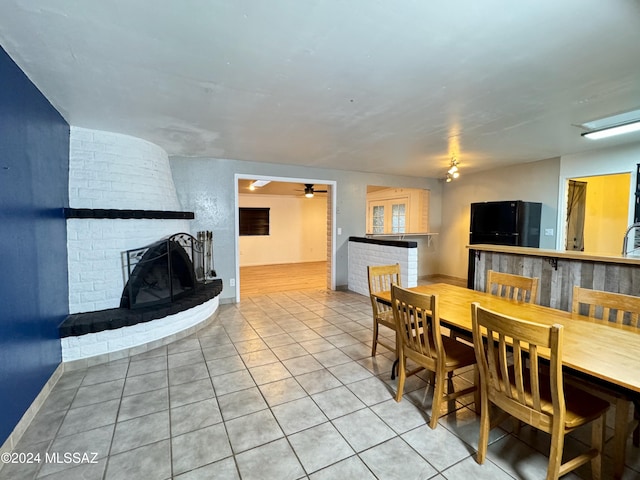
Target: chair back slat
{"points": [[518, 372], [613, 307], [535, 377], [493, 365], [504, 366], [516, 287]]}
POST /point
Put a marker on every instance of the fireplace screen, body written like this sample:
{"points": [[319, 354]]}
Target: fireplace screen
{"points": [[163, 271]]}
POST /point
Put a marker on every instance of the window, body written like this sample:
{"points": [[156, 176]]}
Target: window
{"points": [[398, 219], [378, 219], [254, 221], [388, 217]]}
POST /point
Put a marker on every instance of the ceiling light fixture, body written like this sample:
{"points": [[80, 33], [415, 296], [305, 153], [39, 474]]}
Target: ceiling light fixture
{"points": [[454, 170], [612, 130], [308, 191], [258, 183]]}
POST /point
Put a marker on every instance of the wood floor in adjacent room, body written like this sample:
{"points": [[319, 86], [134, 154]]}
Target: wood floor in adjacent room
{"points": [[265, 279]]}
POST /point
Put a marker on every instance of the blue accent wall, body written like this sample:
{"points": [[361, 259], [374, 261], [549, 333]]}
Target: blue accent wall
{"points": [[34, 174]]}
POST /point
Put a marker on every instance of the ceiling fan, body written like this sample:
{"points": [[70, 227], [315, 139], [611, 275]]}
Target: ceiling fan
{"points": [[309, 190]]}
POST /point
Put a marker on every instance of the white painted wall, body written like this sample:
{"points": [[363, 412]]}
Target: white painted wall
{"points": [[532, 182], [113, 171], [207, 187], [109, 170], [297, 230]]}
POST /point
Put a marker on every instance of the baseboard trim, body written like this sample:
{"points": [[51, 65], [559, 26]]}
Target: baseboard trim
{"points": [[437, 278], [10, 443]]}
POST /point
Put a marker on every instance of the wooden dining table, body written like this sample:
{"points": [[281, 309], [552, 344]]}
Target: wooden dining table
{"points": [[597, 350]]}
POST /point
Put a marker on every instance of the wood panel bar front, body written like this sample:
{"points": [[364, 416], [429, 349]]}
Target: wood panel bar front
{"points": [[557, 270]]}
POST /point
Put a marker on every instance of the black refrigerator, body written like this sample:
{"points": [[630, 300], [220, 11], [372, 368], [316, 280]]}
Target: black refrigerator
{"points": [[506, 223]]}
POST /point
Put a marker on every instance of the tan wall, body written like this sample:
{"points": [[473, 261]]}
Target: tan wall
{"points": [[606, 213], [298, 231]]}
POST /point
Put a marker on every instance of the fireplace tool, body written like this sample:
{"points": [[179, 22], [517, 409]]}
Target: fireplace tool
{"points": [[206, 238]]}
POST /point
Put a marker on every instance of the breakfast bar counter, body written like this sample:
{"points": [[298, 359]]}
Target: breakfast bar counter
{"points": [[558, 270]]}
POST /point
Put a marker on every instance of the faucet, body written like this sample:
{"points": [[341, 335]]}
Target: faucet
{"points": [[626, 234]]}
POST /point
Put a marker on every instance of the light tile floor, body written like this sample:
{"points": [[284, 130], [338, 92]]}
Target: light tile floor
{"points": [[278, 387]]}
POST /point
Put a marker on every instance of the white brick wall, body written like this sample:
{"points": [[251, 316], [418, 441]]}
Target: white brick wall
{"points": [[110, 170], [363, 254], [113, 171], [126, 338]]}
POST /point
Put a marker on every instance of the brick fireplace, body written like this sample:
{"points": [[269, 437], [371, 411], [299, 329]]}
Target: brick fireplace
{"points": [[121, 197]]}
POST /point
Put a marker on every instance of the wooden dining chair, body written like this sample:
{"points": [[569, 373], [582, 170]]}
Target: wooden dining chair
{"points": [[420, 340], [532, 389], [613, 307], [381, 277], [622, 310], [516, 287]]}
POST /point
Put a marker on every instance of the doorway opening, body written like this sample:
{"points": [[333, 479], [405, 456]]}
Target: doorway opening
{"points": [[597, 213], [576, 206], [296, 248]]}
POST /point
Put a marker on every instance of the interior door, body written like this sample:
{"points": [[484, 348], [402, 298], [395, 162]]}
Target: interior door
{"points": [[576, 205]]}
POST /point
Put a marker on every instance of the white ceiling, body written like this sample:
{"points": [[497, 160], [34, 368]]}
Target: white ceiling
{"points": [[388, 86]]}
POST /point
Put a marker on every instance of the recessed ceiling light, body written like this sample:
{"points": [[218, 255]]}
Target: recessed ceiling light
{"points": [[612, 125], [618, 119], [258, 183], [613, 130]]}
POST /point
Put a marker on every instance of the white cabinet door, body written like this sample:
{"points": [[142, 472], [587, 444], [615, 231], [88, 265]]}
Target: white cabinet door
{"points": [[389, 216]]}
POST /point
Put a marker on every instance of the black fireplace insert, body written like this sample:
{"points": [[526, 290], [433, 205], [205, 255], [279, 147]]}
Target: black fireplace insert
{"points": [[163, 271]]}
